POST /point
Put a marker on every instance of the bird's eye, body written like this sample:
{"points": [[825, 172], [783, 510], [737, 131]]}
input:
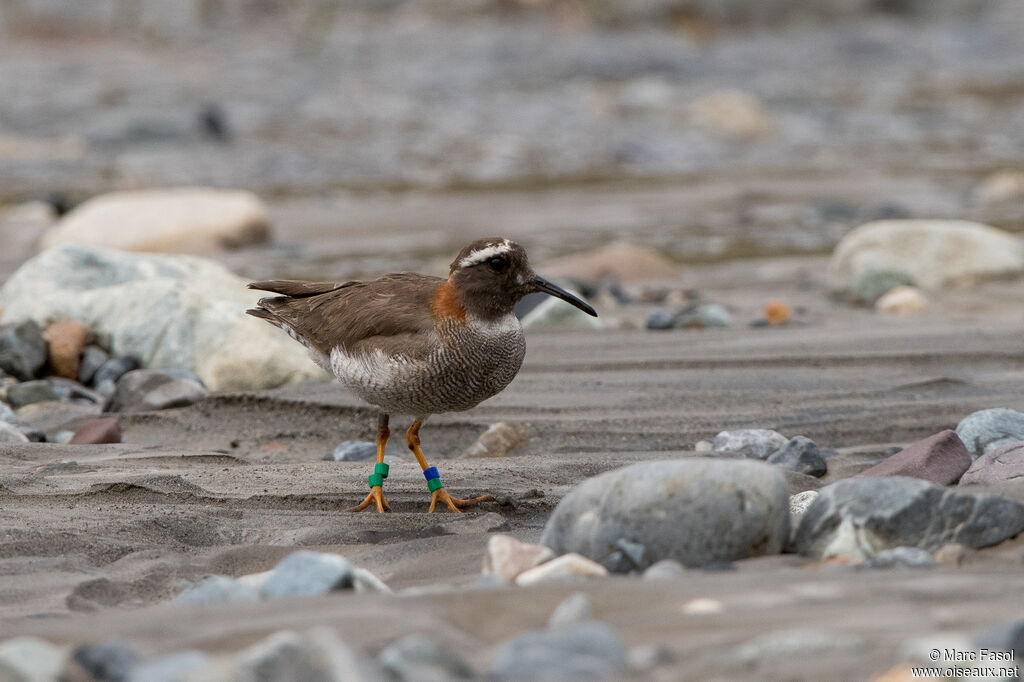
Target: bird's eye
{"points": [[498, 264]]}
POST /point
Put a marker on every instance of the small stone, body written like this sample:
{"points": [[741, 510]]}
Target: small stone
{"points": [[703, 447], [902, 300], [554, 313], [175, 667], [573, 610], [22, 350], [701, 316], [417, 657], [97, 431], [997, 466], [872, 285], [589, 651], [508, 557], [112, 370], [143, 390], [29, 659], [11, 435], [364, 582], [751, 443], [284, 655], [941, 458], [567, 566], [353, 451], [28, 392], [254, 580], [645, 658], [801, 455], [109, 660], [988, 430], [702, 607], [66, 339], [216, 589], [661, 319], [777, 313], [951, 554], [666, 569], [798, 504], [305, 574], [911, 557], [93, 357], [498, 440]]}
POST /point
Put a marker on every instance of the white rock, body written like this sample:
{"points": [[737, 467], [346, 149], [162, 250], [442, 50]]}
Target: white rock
{"points": [[798, 504], [508, 557], [186, 219], [574, 609], [702, 607], [731, 113], [902, 300], [29, 659], [170, 311], [554, 313], [497, 440], [565, 566], [933, 252], [1001, 186], [365, 582], [9, 434], [254, 580]]}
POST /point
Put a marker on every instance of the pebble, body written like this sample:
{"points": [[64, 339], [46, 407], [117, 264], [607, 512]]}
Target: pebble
{"points": [[702, 607], [701, 316], [11, 435], [910, 557], [174, 667], [284, 655], [988, 430], [498, 440], [801, 455], [856, 518], [997, 466], [65, 340], [353, 451], [703, 447], [143, 390], [751, 443], [554, 313], [666, 569], [940, 458], [364, 582], [567, 566], [109, 660], [216, 589], [93, 357], [698, 511], [573, 610], [902, 300], [798, 505], [507, 557], [777, 313], [107, 374], [589, 651], [22, 349], [419, 658], [29, 659], [305, 574], [660, 320], [873, 285], [28, 392], [97, 431], [951, 554]]}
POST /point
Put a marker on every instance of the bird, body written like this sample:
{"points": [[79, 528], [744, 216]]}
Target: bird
{"points": [[415, 344]]}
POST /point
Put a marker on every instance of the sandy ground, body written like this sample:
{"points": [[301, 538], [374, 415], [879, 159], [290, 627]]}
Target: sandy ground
{"points": [[94, 538]]}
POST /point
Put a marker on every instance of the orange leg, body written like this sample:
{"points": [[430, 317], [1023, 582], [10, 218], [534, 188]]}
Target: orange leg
{"points": [[438, 493], [377, 492]]}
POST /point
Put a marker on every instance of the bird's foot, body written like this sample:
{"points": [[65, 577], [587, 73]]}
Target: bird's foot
{"points": [[376, 495], [454, 503]]}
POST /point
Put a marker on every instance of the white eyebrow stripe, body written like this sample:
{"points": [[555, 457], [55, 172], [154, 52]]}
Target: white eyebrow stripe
{"points": [[480, 255]]}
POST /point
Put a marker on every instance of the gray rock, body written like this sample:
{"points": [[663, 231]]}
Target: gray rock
{"points": [[857, 518], [752, 443], [75, 392], [554, 313], [175, 667], [573, 610], [93, 357], [28, 392], [660, 320], [22, 349], [216, 589], [703, 315], [305, 574], [115, 368], [798, 505], [874, 284], [364, 582], [697, 511], [353, 451], [142, 390], [284, 655], [419, 658], [988, 430], [29, 659], [666, 569], [590, 651], [11, 434], [109, 660], [997, 466], [911, 557], [801, 455]]}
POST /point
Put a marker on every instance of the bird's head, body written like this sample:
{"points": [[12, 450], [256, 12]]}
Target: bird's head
{"points": [[491, 275]]}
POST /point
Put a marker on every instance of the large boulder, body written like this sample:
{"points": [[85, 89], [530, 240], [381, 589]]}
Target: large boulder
{"points": [[932, 252], [696, 511], [183, 219], [857, 518], [170, 311], [940, 458]]}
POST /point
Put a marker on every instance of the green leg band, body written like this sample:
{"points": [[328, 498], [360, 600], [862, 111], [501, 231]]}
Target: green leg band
{"points": [[375, 480], [382, 469], [434, 484]]}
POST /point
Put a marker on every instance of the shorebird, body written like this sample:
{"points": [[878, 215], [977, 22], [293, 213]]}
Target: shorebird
{"points": [[415, 344]]}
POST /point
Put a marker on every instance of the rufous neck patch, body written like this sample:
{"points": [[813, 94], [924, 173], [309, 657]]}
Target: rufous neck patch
{"points": [[445, 304]]}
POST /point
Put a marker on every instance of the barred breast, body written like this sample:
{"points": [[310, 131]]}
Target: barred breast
{"points": [[470, 363]]}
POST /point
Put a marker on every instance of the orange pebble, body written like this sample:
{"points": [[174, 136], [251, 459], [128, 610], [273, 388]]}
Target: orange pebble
{"points": [[777, 312]]}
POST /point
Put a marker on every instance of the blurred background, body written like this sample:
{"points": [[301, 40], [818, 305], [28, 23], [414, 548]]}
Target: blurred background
{"points": [[384, 134]]}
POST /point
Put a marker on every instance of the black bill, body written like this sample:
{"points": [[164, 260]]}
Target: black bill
{"points": [[550, 289]]}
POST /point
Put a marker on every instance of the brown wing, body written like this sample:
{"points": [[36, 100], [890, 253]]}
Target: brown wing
{"points": [[391, 313]]}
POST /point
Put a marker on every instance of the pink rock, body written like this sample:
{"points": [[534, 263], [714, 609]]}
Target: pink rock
{"points": [[105, 430], [508, 557], [999, 466], [941, 459]]}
